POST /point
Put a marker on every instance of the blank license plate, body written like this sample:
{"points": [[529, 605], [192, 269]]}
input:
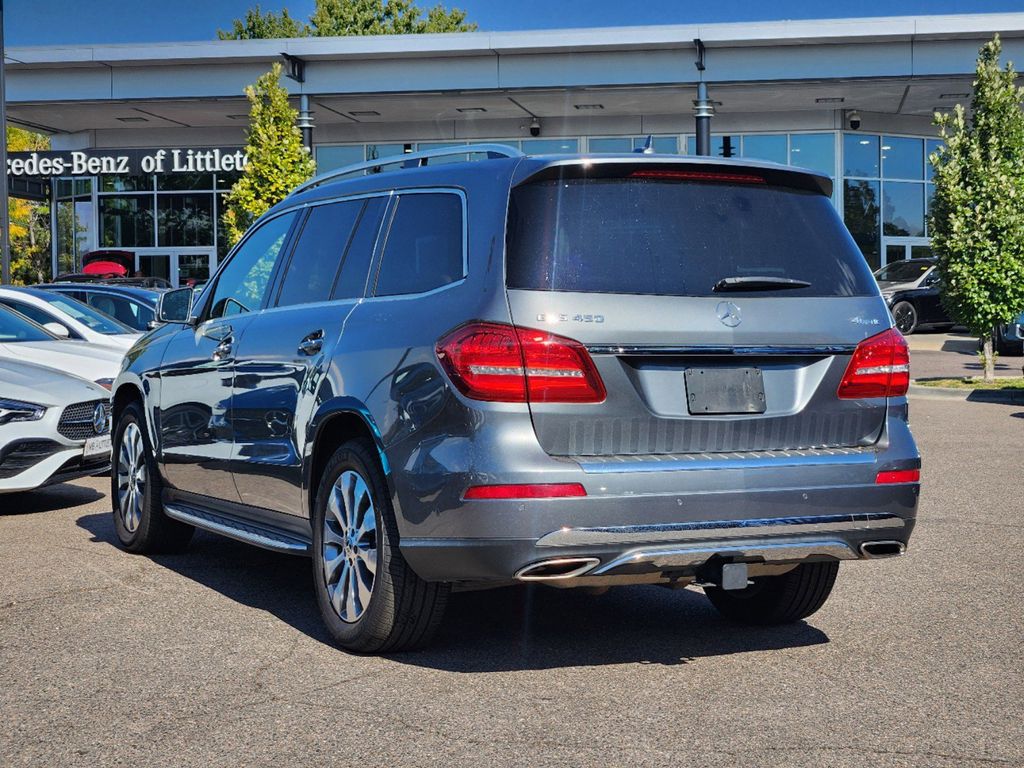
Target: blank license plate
{"points": [[724, 390], [97, 446]]}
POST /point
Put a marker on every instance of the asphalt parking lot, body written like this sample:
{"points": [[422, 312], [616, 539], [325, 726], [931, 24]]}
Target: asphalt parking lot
{"points": [[217, 657], [941, 355]]}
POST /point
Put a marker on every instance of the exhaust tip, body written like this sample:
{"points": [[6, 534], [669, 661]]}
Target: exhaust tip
{"points": [[876, 549], [558, 568]]}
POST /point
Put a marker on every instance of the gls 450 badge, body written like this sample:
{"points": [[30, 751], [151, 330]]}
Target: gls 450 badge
{"points": [[559, 318]]}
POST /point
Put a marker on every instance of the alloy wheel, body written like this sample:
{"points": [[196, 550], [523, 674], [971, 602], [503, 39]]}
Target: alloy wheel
{"points": [[903, 314], [349, 546], [131, 477]]}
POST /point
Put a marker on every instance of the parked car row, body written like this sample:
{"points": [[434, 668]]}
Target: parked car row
{"points": [[61, 346], [911, 288]]}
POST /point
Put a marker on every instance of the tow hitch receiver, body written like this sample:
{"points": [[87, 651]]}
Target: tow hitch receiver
{"points": [[734, 575]]}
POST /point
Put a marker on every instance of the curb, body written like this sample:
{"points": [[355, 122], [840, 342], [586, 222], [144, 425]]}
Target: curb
{"points": [[1005, 397]]}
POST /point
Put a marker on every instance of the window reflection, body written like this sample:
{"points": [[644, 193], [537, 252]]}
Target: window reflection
{"points": [[902, 158], [903, 209], [816, 151], [860, 212], [860, 155], [765, 147]]}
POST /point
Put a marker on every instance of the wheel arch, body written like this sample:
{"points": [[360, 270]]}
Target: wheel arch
{"points": [[336, 422]]}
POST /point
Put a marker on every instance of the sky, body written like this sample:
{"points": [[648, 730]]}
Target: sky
{"points": [[56, 22]]}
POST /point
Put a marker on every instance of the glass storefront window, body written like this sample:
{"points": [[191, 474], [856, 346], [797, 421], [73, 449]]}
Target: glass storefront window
{"points": [[223, 246], [155, 265], [227, 179], [618, 145], [126, 183], [126, 221], [903, 209], [861, 214], [929, 200], [85, 234], [930, 147], [765, 147], [377, 151], [551, 146], [662, 145], [66, 236], [184, 181], [184, 220], [329, 158], [443, 145], [902, 158], [816, 151], [860, 155]]}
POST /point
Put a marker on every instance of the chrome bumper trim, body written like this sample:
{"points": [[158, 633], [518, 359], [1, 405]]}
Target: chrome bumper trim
{"points": [[808, 457], [663, 558], [719, 529]]}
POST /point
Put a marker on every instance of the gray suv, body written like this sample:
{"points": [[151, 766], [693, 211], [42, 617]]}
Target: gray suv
{"points": [[572, 370]]}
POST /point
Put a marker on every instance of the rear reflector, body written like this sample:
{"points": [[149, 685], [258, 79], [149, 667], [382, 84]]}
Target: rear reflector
{"points": [[723, 178], [898, 476], [880, 367], [530, 491], [500, 363]]}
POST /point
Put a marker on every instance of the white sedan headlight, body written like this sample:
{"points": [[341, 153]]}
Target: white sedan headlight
{"points": [[16, 410]]}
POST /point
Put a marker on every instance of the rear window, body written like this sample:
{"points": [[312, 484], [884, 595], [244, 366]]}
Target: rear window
{"points": [[678, 238]]}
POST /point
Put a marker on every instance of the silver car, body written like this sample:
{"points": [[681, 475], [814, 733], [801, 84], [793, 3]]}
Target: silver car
{"points": [[566, 370]]}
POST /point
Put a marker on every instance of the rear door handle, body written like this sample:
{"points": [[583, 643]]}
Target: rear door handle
{"points": [[312, 344]]}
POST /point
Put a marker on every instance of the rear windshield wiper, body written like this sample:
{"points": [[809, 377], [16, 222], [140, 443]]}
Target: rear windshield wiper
{"points": [[758, 283]]}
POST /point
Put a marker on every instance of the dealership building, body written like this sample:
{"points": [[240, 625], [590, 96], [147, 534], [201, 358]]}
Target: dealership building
{"points": [[147, 138]]}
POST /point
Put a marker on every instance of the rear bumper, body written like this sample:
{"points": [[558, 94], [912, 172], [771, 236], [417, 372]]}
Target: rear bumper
{"points": [[828, 524]]}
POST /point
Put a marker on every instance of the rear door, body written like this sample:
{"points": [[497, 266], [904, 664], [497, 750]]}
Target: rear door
{"points": [[720, 306], [283, 358]]}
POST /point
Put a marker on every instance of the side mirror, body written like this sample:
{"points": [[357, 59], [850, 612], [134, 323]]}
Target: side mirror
{"points": [[58, 330], [175, 306]]}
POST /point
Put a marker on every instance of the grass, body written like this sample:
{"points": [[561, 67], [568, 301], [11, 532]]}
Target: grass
{"points": [[973, 382]]}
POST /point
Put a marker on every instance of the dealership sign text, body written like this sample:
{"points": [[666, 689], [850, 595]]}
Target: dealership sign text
{"points": [[92, 162]]}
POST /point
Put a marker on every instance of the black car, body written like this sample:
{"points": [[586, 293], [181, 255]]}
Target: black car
{"points": [[915, 308]]}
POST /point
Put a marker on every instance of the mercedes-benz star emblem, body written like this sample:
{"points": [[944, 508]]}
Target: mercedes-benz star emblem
{"points": [[729, 314], [99, 419]]}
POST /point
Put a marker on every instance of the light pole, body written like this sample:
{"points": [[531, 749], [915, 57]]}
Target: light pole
{"points": [[703, 109], [5, 211]]}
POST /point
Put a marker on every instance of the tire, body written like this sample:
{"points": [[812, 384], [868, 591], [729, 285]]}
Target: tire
{"points": [[369, 598], [905, 316], [781, 599], [135, 490]]}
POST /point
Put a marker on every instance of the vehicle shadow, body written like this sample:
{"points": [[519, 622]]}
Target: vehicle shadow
{"points": [[47, 499], [513, 628]]}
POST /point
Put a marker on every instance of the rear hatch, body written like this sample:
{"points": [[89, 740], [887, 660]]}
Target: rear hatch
{"points": [[720, 303]]}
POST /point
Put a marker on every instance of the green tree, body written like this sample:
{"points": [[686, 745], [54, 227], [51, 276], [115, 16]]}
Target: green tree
{"points": [[277, 160], [29, 220], [340, 18], [978, 210], [258, 25]]}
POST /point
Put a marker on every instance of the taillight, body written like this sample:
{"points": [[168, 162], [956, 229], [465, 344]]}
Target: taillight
{"points": [[724, 178], [500, 363], [880, 367]]}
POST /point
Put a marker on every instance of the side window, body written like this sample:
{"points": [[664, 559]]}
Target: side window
{"points": [[351, 282], [242, 286], [424, 245], [36, 314], [318, 253]]}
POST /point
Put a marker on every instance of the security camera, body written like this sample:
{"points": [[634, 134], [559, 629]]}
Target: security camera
{"points": [[535, 127], [854, 117]]}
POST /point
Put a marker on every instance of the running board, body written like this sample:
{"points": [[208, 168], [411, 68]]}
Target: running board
{"points": [[240, 530]]}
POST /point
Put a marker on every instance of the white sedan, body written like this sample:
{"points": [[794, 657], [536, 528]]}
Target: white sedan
{"points": [[25, 341], [53, 427], [66, 317]]}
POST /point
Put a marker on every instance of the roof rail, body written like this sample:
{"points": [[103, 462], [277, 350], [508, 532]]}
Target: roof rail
{"points": [[411, 160]]}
